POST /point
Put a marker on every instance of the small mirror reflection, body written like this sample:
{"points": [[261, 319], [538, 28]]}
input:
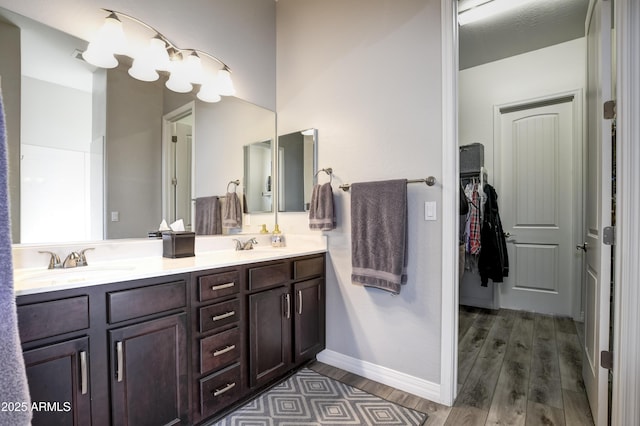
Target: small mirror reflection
{"points": [[258, 177], [297, 162]]}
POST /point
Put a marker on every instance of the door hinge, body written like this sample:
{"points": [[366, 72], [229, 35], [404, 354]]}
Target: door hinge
{"points": [[609, 235], [610, 110], [606, 360], [174, 139]]}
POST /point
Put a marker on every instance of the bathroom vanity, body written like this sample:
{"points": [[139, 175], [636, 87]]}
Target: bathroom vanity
{"points": [[182, 346]]}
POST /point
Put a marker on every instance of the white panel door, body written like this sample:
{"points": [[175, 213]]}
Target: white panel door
{"points": [[536, 197], [597, 274]]}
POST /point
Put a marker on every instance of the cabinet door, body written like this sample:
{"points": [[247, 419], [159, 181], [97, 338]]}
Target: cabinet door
{"points": [[149, 372], [270, 334], [308, 319], [58, 375]]}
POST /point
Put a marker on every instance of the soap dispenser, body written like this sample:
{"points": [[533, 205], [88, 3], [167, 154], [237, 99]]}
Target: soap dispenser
{"points": [[277, 239]]}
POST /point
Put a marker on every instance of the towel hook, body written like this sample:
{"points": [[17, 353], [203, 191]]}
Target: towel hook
{"points": [[328, 171], [235, 182]]}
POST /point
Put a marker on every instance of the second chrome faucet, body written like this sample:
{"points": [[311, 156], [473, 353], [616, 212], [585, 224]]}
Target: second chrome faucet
{"points": [[73, 259]]}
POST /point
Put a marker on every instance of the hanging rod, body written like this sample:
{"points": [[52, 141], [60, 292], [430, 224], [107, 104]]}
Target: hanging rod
{"points": [[430, 181]]}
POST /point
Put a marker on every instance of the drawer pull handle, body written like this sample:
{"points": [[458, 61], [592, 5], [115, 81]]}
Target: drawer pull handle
{"points": [[223, 316], [219, 392], [83, 372], [224, 351], [299, 302], [119, 368], [222, 286]]}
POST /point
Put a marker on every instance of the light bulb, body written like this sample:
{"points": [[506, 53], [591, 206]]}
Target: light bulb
{"points": [[225, 85], [193, 68], [178, 81], [209, 92]]}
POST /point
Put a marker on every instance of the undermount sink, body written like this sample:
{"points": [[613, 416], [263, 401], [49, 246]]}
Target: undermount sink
{"points": [[81, 273]]}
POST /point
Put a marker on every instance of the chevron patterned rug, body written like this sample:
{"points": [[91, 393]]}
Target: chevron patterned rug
{"points": [[309, 398]]}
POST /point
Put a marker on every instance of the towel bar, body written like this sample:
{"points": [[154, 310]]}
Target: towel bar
{"points": [[430, 181]]}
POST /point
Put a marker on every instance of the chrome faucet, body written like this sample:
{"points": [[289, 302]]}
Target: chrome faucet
{"points": [[73, 259], [247, 245]]}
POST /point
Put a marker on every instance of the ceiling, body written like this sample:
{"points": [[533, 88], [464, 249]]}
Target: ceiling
{"points": [[532, 26]]}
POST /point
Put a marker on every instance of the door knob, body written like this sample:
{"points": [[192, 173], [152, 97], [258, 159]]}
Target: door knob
{"points": [[582, 247]]}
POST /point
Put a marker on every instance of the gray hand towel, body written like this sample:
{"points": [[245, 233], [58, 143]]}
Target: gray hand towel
{"points": [[13, 379], [321, 211], [232, 211], [379, 234], [208, 221]]}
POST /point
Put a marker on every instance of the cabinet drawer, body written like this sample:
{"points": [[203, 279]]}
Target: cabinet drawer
{"points": [[46, 319], [270, 275], [219, 314], [220, 390], [307, 268], [219, 350], [218, 285], [138, 302]]}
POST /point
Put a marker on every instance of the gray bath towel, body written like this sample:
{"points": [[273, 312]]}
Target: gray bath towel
{"points": [[13, 379], [231, 211], [321, 212], [208, 221], [379, 234]]}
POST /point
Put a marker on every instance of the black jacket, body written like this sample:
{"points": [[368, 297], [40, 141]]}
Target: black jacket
{"points": [[493, 262]]}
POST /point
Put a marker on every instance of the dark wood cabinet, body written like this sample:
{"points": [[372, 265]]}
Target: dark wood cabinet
{"points": [[218, 341], [269, 334], [58, 374], [149, 372], [178, 349], [286, 323], [309, 330]]}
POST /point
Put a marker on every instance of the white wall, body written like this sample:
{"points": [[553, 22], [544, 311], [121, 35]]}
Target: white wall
{"points": [[55, 163], [240, 32], [366, 74], [544, 72]]}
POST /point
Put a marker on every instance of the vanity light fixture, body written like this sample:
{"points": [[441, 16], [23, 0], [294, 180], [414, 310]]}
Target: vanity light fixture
{"points": [[476, 10], [184, 66]]}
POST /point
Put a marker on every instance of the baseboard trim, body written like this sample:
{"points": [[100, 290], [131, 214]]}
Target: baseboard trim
{"points": [[405, 382]]}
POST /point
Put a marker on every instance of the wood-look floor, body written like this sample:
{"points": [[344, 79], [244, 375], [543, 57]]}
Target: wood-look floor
{"points": [[514, 368]]}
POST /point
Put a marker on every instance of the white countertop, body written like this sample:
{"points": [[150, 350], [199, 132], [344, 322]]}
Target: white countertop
{"points": [[105, 267]]}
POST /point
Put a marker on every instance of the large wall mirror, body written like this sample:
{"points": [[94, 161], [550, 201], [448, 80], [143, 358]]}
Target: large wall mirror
{"points": [[297, 162], [89, 150]]}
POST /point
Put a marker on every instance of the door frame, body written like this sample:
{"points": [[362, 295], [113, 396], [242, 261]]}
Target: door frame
{"points": [[167, 121], [578, 154], [626, 388]]}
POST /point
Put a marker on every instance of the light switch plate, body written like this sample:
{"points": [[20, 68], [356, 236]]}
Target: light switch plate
{"points": [[115, 216], [430, 210]]}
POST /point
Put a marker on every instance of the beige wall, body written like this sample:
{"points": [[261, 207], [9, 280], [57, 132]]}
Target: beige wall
{"points": [[367, 75]]}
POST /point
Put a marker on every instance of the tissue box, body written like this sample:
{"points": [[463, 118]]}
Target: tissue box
{"points": [[178, 244]]}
